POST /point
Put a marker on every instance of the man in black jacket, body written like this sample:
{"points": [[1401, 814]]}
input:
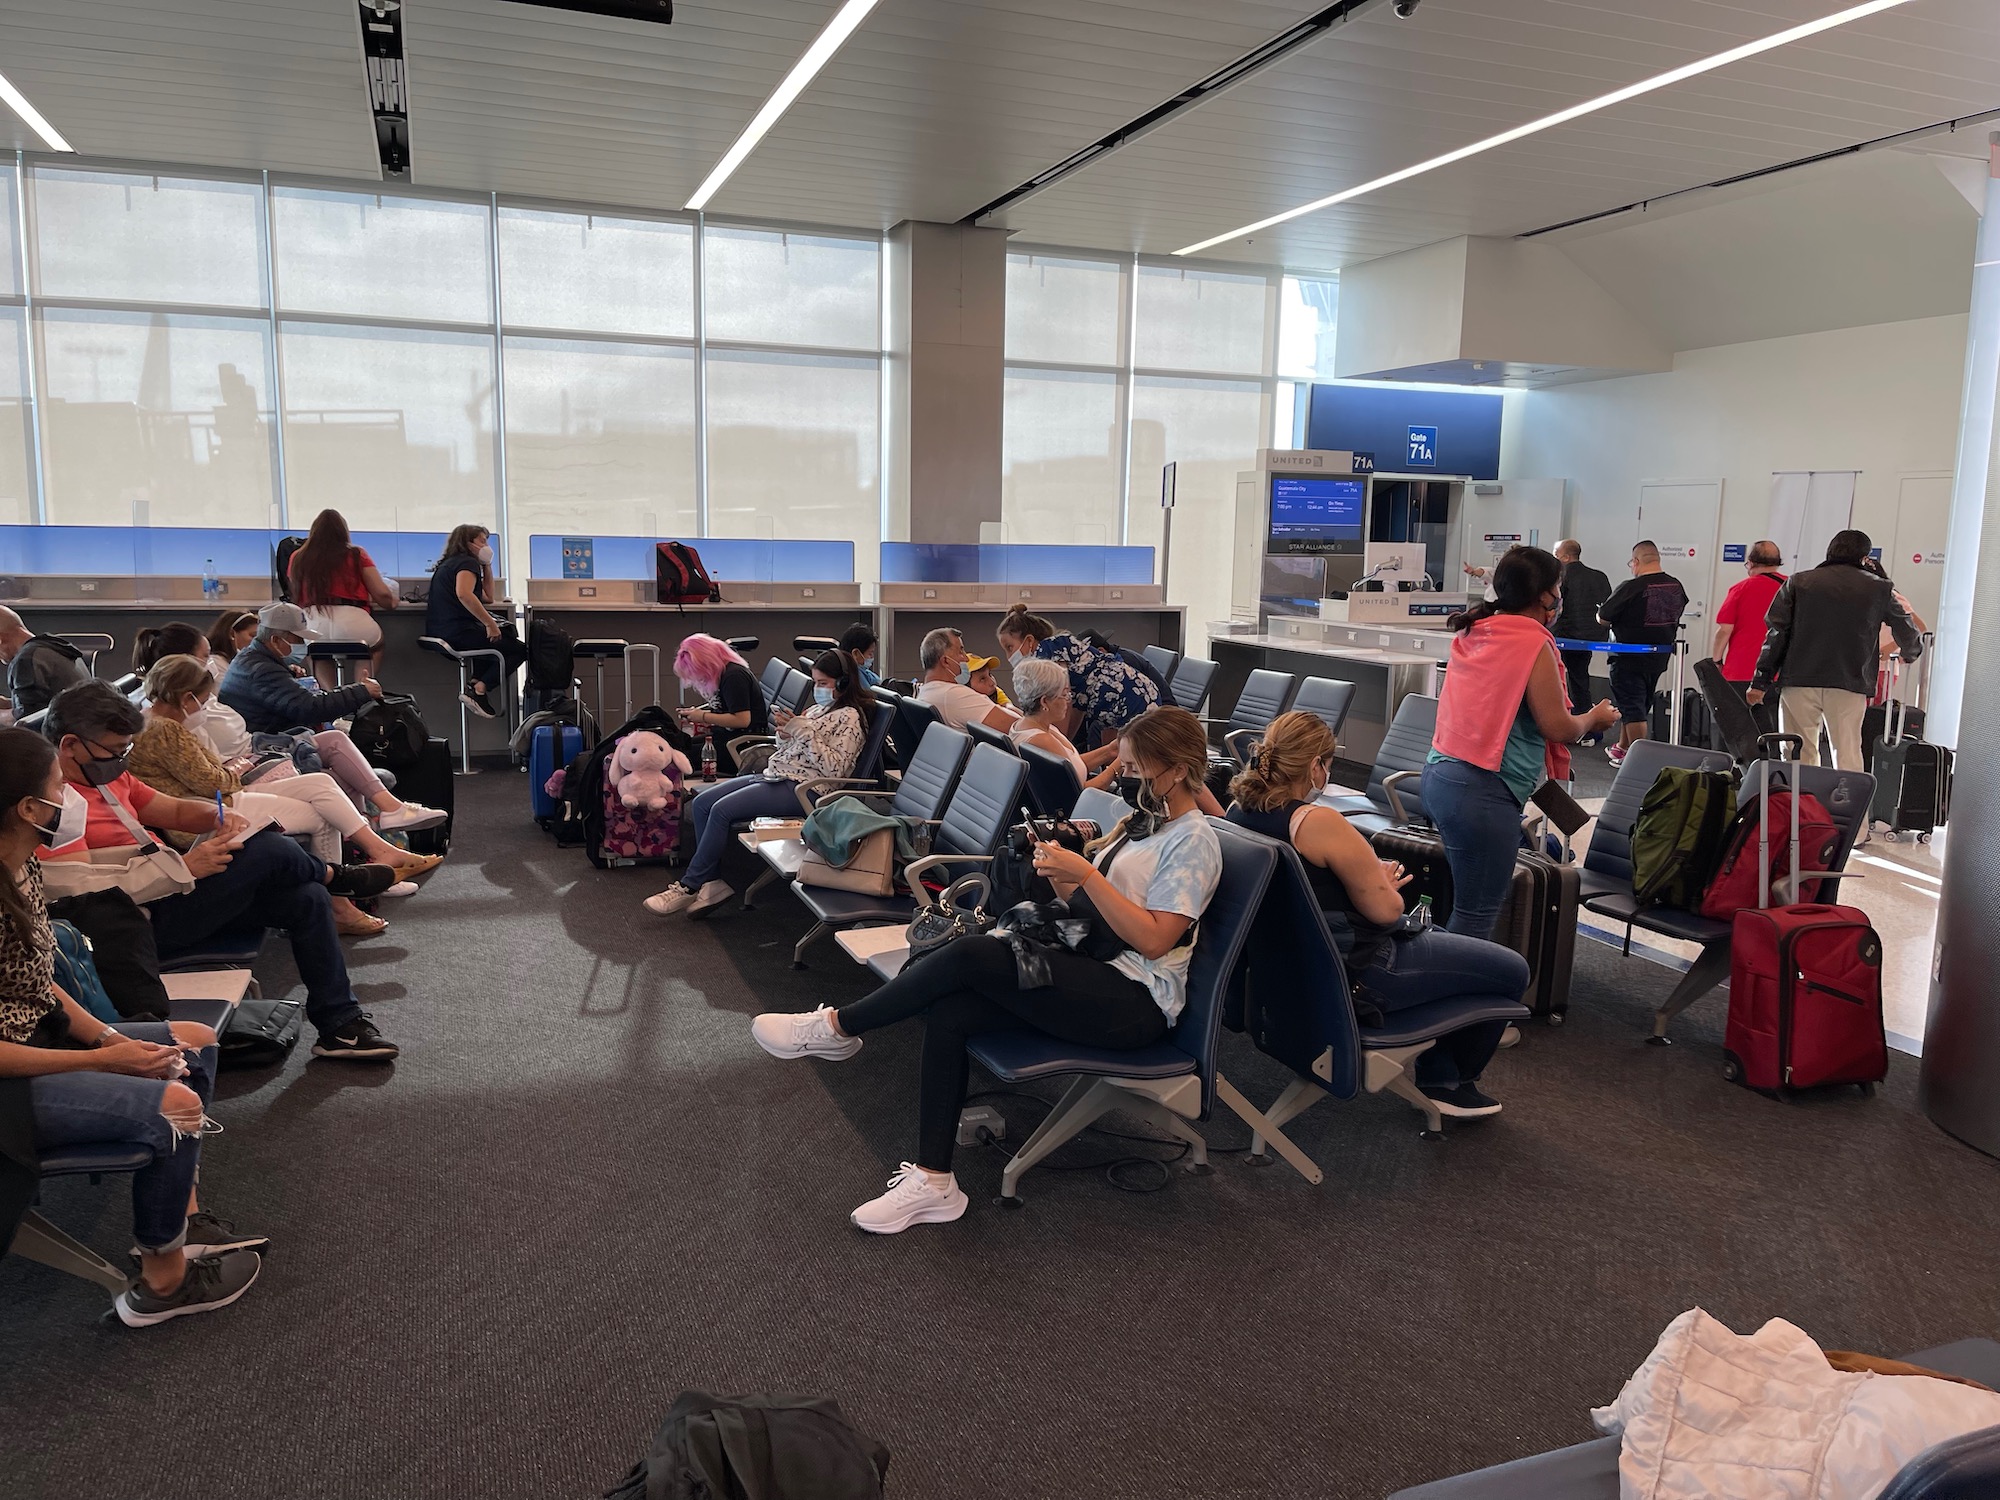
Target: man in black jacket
{"points": [[1820, 640], [1645, 610], [1584, 591]]}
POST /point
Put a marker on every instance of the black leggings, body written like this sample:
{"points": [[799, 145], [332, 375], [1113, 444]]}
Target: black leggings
{"points": [[970, 988], [509, 645]]}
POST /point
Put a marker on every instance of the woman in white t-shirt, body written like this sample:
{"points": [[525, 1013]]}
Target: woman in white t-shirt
{"points": [[1149, 882]]}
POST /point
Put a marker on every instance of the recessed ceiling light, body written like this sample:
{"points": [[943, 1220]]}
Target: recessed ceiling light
{"points": [[18, 102], [1563, 117], [828, 42]]}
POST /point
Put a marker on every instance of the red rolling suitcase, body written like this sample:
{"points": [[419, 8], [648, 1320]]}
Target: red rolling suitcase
{"points": [[1805, 986]]}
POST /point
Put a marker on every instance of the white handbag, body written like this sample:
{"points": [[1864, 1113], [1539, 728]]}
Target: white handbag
{"points": [[145, 870]]}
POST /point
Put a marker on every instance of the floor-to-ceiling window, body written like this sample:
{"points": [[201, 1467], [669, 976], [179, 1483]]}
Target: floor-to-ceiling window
{"points": [[195, 348]]}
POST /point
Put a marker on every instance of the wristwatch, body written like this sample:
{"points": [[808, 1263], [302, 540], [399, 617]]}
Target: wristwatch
{"points": [[105, 1035]]}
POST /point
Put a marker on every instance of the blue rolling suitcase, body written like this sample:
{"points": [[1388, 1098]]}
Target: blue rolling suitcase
{"points": [[546, 756]]}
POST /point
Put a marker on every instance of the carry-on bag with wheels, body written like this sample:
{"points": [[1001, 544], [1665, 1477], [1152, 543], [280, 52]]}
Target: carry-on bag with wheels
{"points": [[1912, 777], [552, 747], [1805, 982], [429, 780]]}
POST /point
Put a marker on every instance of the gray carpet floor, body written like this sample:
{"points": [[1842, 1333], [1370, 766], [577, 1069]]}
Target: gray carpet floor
{"points": [[583, 1189]]}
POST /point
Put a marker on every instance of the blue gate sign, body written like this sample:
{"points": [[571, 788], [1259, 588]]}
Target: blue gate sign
{"points": [[1733, 551], [1423, 448]]}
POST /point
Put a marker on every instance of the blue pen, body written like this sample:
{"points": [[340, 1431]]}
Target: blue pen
{"points": [[221, 817]]}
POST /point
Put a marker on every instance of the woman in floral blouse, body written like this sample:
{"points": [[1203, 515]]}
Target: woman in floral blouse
{"points": [[824, 741], [90, 1084], [1106, 690]]}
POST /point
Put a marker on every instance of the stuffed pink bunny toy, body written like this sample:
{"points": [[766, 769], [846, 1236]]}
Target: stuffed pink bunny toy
{"points": [[642, 768]]}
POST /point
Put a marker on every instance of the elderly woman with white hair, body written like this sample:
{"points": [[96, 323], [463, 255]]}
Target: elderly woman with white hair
{"points": [[1042, 694]]}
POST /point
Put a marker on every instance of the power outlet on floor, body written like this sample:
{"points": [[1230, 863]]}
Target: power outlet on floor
{"points": [[980, 1117]]}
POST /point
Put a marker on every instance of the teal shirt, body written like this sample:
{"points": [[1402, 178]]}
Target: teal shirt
{"points": [[1524, 761]]}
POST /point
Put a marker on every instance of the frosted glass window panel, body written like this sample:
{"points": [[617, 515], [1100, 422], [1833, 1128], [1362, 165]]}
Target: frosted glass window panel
{"points": [[1059, 452], [1308, 310], [128, 237], [391, 427], [381, 256], [16, 492], [599, 438], [1065, 311], [10, 219], [1189, 319], [596, 274], [171, 410], [794, 449], [767, 287], [1210, 429]]}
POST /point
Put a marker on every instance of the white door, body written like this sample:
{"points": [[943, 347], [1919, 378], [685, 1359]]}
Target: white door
{"points": [[1682, 517], [1916, 561], [1527, 512]]}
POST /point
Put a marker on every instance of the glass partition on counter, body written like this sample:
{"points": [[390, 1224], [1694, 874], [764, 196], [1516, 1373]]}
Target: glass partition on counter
{"points": [[983, 562], [630, 558]]}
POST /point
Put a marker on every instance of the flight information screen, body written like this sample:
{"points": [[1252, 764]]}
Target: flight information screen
{"points": [[1312, 513]]}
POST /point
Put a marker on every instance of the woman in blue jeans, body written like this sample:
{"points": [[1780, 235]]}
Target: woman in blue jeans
{"points": [[90, 1084], [824, 741], [1504, 727], [1390, 970]]}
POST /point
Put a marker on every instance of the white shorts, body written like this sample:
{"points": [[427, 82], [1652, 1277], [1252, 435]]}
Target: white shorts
{"points": [[343, 622]]}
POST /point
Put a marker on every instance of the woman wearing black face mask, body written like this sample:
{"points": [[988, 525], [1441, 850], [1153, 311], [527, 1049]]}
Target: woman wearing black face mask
{"points": [[92, 1084], [1148, 883]]}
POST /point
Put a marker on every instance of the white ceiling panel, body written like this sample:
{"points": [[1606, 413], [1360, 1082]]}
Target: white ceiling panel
{"points": [[931, 109], [1381, 94], [235, 83]]}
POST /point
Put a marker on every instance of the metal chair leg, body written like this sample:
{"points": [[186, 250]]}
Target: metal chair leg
{"points": [[39, 1240]]}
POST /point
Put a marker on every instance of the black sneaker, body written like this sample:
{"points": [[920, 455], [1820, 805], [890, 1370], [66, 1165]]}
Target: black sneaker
{"points": [[209, 1235], [1461, 1101], [476, 700], [361, 881], [357, 1041], [210, 1283]]}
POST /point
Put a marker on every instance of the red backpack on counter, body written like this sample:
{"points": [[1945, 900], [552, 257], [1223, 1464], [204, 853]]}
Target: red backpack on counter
{"points": [[680, 578]]}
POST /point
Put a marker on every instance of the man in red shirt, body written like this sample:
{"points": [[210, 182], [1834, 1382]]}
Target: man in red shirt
{"points": [[1739, 625]]}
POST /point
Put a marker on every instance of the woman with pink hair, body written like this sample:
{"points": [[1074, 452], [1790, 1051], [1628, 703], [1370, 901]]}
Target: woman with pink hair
{"points": [[734, 703]]}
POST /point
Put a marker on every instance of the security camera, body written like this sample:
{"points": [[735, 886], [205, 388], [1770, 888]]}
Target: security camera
{"points": [[1407, 8]]}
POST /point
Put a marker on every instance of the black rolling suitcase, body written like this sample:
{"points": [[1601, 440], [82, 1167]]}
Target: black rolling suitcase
{"points": [[429, 780], [1537, 920], [1912, 777], [1728, 711]]}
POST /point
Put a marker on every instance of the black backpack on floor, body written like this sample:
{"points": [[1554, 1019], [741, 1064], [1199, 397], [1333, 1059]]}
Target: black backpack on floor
{"points": [[388, 731], [260, 1033], [758, 1448]]}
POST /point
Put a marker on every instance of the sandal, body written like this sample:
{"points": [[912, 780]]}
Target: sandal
{"points": [[360, 925], [412, 865]]}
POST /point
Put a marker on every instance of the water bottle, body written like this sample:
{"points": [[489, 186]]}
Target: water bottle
{"points": [[1420, 919], [210, 585]]}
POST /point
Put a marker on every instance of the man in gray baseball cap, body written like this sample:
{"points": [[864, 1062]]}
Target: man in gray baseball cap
{"points": [[260, 686]]}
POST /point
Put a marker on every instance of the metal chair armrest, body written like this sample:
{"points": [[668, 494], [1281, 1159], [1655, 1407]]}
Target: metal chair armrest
{"points": [[916, 868], [1233, 742], [1389, 784]]}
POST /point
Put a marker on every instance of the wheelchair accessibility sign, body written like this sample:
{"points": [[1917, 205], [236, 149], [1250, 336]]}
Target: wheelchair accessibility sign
{"points": [[1423, 448]]}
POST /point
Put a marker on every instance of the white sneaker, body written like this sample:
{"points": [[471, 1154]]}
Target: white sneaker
{"points": [[675, 897], [713, 894], [411, 815], [1511, 1037], [403, 888], [811, 1035], [913, 1198]]}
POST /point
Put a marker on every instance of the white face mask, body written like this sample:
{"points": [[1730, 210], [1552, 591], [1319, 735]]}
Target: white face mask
{"points": [[69, 823], [485, 555], [1014, 659]]}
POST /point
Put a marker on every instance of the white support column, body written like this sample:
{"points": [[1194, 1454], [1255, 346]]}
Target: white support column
{"points": [[1972, 488]]}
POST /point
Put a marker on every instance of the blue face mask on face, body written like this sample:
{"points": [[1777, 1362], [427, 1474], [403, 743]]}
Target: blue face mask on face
{"points": [[965, 675], [1015, 658], [823, 696]]}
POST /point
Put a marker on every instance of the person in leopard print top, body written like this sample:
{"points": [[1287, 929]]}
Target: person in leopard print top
{"points": [[92, 1084]]}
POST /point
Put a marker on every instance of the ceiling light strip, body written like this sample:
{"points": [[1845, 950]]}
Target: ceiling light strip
{"points": [[1563, 117], [18, 102], [843, 25]]}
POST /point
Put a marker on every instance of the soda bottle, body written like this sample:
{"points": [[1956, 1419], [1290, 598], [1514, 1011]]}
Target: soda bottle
{"points": [[708, 758]]}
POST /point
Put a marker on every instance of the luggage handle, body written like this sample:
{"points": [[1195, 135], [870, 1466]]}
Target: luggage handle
{"points": [[1896, 710], [1779, 742]]}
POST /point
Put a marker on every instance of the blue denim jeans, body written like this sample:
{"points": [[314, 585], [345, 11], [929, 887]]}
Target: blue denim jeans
{"points": [[737, 800], [1480, 823], [271, 882], [1438, 965], [102, 1109]]}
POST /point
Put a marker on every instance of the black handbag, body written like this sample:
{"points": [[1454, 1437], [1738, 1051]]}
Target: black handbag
{"points": [[944, 921], [260, 1033]]}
